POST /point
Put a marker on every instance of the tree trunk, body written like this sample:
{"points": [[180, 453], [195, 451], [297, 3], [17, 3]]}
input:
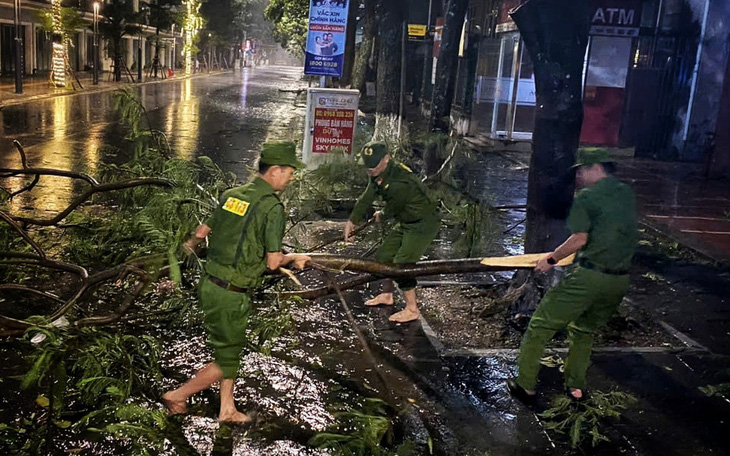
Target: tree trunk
{"points": [[443, 90], [390, 14], [349, 65], [363, 58], [555, 33], [117, 61]]}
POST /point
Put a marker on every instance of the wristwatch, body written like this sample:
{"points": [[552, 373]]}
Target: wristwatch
{"points": [[551, 261]]}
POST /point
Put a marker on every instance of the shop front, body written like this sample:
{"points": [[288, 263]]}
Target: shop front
{"points": [[504, 88], [504, 92], [613, 36]]}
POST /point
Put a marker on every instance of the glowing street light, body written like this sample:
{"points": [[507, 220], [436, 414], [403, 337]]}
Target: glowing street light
{"points": [[96, 43]]}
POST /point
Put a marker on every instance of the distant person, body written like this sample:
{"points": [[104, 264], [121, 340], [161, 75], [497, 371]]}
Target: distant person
{"points": [[603, 220], [407, 201], [246, 232]]}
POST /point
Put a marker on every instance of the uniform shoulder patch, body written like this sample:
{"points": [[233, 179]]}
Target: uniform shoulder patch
{"points": [[405, 167], [236, 206]]}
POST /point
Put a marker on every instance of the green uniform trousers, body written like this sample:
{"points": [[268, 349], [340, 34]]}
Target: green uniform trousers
{"points": [[406, 243], [583, 301], [226, 317]]}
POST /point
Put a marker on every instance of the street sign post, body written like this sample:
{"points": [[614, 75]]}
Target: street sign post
{"points": [[329, 125]]}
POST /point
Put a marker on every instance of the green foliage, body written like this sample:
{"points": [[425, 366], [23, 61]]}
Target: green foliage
{"points": [[133, 113], [268, 324], [290, 18], [362, 433], [138, 430], [107, 378], [146, 220], [720, 389], [476, 222], [581, 420], [313, 191], [71, 21], [119, 20]]}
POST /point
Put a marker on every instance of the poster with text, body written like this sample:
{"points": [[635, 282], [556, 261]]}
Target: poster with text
{"points": [[334, 122], [325, 54]]}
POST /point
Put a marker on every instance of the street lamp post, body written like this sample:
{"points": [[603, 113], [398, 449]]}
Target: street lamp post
{"points": [[139, 48], [139, 59], [18, 51], [172, 57], [96, 43]]}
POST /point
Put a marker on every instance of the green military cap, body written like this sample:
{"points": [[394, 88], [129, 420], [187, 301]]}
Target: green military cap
{"points": [[280, 153], [372, 153], [588, 156]]}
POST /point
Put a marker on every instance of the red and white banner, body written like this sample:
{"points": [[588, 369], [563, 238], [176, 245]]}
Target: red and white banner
{"points": [[331, 121]]}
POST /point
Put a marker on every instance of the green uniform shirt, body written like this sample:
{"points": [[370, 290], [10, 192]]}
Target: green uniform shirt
{"points": [[247, 225], [406, 198], [607, 212]]}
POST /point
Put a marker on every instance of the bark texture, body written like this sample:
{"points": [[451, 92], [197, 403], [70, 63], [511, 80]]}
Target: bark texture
{"points": [[555, 33], [447, 65], [349, 64], [390, 16], [364, 60]]}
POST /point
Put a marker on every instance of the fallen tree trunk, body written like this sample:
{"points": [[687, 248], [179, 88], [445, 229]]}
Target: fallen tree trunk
{"points": [[422, 268], [372, 271]]}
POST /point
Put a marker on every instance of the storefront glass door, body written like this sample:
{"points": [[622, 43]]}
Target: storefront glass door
{"points": [[514, 92]]}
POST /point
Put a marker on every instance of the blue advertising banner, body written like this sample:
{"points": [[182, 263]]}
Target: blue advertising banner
{"points": [[325, 52]]}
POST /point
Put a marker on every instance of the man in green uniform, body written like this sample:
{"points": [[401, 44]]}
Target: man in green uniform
{"points": [[603, 221], [246, 233], [407, 200]]}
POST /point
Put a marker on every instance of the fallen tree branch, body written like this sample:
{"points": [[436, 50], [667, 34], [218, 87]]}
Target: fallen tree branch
{"points": [[10, 172], [37, 260], [19, 229], [341, 238], [351, 282], [143, 281], [91, 191], [422, 268], [358, 333]]}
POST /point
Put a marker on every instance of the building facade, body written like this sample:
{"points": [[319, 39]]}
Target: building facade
{"points": [[654, 74], [37, 43]]}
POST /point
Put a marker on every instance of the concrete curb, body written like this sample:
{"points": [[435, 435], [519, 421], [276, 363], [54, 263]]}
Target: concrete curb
{"points": [[47, 96], [690, 345]]}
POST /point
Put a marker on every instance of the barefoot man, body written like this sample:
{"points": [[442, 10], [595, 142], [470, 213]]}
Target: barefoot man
{"points": [[408, 201], [246, 233]]}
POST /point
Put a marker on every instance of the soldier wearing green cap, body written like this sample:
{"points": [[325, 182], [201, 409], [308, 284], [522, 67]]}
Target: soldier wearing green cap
{"points": [[246, 233], [407, 201], [603, 222]]}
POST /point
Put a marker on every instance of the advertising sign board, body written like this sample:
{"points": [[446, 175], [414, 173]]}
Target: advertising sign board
{"points": [[325, 52], [330, 124]]}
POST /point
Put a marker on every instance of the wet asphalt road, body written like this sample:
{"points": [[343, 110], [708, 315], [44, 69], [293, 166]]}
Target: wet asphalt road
{"points": [[224, 116]]}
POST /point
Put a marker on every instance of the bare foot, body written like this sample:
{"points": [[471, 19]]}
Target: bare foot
{"points": [[382, 298], [174, 405], [576, 394], [404, 316], [234, 417]]}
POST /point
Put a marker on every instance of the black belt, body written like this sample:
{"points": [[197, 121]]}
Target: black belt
{"points": [[590, 265], [227, 285]]}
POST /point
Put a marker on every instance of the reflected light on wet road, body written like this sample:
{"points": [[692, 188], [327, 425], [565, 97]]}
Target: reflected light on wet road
{"points": [[224, 116], [183, 122]]}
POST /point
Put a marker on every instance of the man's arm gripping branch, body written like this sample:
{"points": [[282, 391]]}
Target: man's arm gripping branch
{"points": [[201, 232], [574, 243], [275, 260]]}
